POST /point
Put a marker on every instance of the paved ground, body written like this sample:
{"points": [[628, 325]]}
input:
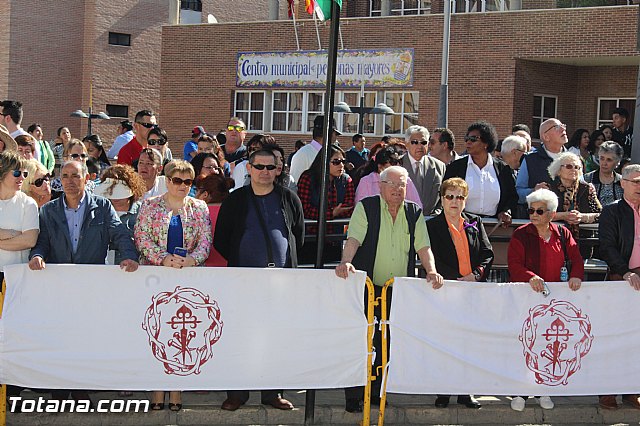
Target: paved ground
{"points": [[204, 409]]}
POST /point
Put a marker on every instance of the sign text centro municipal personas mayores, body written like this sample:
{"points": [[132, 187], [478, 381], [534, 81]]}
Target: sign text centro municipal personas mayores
{"points": [[383, 68]]}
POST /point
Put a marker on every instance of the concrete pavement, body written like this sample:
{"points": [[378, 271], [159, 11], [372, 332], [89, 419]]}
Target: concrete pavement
{"points": [[204, 409]]}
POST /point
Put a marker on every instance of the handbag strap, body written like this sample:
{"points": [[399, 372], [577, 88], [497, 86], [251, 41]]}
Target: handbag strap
{"points": [[263, 226], [563, 242]]}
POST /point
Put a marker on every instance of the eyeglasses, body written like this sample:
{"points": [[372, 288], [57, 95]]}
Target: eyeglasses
{"points": [[178, 181], [633, 181], [76, 156], [146, 125], [156, 141], [237, 128], [18, 173], [571, 166], [399, 185], [450, 197], [337, 162], [557, 127], [416, 142], [540, 212], [269, 167], [38, 182], [472, 138]]}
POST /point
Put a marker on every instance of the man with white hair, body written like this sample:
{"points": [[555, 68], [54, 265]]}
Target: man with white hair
{"points": [[512, 150], [618, 228], [425, 171], [385, 234]]}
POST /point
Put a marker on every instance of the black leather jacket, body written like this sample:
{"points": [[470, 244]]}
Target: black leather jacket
{"points": [[616, 230]]}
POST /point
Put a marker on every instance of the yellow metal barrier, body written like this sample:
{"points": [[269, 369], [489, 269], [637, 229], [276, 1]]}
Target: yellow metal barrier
{"points": [[384, 330], [3, 388], [366, 410]]}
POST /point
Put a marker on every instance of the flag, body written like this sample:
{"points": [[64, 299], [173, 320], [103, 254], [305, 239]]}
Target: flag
{"points": [[322, 8], [290, 7]]}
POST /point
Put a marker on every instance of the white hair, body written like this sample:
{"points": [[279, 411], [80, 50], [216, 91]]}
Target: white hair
{"points": [[513, 142], [630, 169], [543, 196], [554, 167], [397, 169], [416, 129]]}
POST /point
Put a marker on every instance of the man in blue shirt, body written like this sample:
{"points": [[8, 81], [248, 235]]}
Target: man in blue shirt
{"points": [[191, 146], [358, 154]]}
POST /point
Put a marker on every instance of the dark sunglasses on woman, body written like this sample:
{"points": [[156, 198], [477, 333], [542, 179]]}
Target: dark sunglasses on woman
{"points": [[538, 211], [38, 182], [17, 173], [156, 141], [178, 181]]}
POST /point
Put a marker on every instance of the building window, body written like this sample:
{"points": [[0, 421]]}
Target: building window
{"points": [[468, 6], [315, 107], [544, 108], [349, 122], [401, 7], [250, 108], [287, 111], [120, 111], [405, 105], [119, 39], [195, 5], [607, 105]]}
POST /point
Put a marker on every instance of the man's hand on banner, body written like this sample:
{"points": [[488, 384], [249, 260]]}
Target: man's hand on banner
{"points": [[129, 265], [575, 283], [435, 279], [36, 263], [343, 269]]}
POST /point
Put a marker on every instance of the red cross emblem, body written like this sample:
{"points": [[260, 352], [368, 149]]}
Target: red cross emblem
{"points": [[555, 338], [188, 322]]}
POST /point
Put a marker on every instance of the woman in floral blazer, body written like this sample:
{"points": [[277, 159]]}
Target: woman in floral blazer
{"points": [[166, 226]]}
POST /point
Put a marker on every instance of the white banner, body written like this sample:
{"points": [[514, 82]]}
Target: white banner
{"points": [[391, 68], [505, 339], [97, 327]]}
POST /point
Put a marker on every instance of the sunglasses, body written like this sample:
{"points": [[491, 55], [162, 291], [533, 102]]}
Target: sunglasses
{"points": [[38, 182], [178, 181], [416, 142], [237, 128], [146, 125], [457, 197], [337, 162], [269, 167], [571, 166], [539, 211], [18, 173], [76, 156], [472, 138], [156, 141]]}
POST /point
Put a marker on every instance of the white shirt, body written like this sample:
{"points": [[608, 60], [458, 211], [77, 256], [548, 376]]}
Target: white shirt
{"points": [[302, 159], [239, 175], [484, 188], [19, 213], [159, 188], [413, 162]]}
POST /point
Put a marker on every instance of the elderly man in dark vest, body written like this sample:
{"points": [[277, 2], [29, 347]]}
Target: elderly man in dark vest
{"points": [[385, 234]]}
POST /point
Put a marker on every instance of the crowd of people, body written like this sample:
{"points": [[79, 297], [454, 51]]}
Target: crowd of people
{"points": [[228, 202]]}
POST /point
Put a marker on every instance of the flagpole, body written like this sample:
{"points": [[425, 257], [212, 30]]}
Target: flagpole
{"points": [[295, 25], [327, 132], [315, 21]]}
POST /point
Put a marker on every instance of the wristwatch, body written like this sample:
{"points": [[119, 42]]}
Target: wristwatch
{"points": [[477, 274]]}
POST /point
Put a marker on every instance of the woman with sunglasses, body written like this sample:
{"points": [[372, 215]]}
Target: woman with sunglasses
{"points": [[37, 184], [173, 230], [96, 150], [209, 144], [19, 219], [75, 150], [492, 185], [538, 253], [577, 200], [340, 202], [369, 184], [464, 252], [157, 139]]}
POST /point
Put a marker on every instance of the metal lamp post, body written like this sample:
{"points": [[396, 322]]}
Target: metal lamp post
{"points": [[361, 110], [90, 116]]}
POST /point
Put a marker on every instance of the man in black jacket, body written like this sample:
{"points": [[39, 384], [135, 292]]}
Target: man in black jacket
{"points": [[620, 247], [260, 225]]}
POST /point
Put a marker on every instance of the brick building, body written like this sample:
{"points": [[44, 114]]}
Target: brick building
{"points": [[517, 66], [52, 52]]}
